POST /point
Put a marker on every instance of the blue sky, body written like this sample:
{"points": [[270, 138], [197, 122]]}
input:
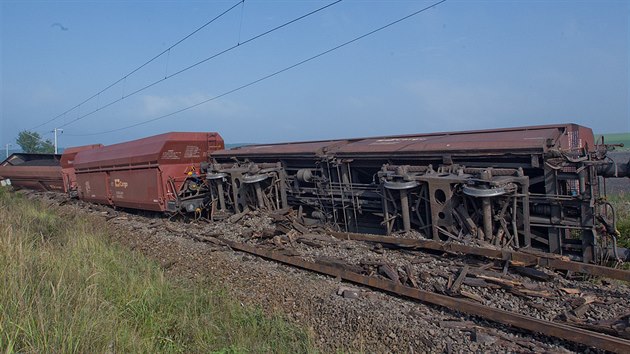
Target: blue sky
{"points": [[461, 65]]}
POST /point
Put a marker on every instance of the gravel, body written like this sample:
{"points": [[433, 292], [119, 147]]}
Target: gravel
{"points": [[343, 317]]}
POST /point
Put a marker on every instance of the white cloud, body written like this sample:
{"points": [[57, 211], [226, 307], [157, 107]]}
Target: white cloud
{"points": [[154, 105]]}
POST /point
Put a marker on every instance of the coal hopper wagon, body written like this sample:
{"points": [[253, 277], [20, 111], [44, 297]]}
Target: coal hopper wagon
{"points": [[157, 173]]}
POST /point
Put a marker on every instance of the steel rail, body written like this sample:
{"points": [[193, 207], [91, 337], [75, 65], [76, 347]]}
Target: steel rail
{"points": [[558, 330], [532, 259]]}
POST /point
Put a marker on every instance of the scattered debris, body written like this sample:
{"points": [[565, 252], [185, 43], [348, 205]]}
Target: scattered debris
{"points": [[480, 282]]}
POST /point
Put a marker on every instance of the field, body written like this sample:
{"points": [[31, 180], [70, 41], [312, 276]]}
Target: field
{"points": [[618, 138], [67, 288]]}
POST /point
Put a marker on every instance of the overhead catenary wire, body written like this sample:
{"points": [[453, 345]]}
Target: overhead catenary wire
{"points": [[269, 75], [167, 50], [200, 62]]}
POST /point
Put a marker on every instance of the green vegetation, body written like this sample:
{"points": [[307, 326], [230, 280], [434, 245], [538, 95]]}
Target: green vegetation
{"points": [[621, 203], [65, 287], [619, 138], [33, 142]]}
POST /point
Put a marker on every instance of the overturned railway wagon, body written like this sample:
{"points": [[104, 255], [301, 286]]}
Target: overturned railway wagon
{"points": [[40, 172], [517, 187]]}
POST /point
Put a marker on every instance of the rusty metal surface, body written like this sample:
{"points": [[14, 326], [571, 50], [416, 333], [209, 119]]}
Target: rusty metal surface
{"points": [[42, 178], [550, 261], [534, 186], [532, 138], [523, 140], [312, 148], [516, 139], [558, 330], [67, 165], [67, 158], [33, 171], [147, 173], [163, 149], [585, 137], [94, 187], [137, 189]]}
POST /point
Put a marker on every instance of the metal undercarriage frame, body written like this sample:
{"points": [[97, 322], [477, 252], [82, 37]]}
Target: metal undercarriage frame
{"points": [[551, 203]]}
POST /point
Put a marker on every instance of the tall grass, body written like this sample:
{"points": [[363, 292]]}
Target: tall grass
{"points": [[64, 287], [621, 203]]}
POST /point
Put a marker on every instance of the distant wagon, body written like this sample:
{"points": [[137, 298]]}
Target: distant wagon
{"points": [[41, 172]]}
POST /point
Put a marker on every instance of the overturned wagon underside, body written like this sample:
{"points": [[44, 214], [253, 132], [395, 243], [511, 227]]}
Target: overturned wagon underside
{"points": [[519, 187]]}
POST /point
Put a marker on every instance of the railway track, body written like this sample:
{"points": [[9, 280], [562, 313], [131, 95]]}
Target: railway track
{"points": [[247, 234], [349, 273], [558, 330], [550, 261]]}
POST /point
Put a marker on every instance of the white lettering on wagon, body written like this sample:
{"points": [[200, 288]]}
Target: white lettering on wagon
{"points": [[171, 155], [191, 151]]}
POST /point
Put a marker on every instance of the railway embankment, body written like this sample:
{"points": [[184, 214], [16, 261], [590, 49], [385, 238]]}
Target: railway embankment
{"points": [[340, 316], [67, 286]]}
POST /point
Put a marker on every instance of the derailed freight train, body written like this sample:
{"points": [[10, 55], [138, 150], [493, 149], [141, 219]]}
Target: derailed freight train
{"points": [[517, 187]]}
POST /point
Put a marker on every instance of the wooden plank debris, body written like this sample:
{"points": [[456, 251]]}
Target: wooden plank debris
{"points": [[387, 271], [454, 289], [570, 291], [532, 273], [411, 275], [471, 296]]}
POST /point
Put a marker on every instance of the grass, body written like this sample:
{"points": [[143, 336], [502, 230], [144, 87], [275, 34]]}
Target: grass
{"points": [[621, 203], [65, 288]]}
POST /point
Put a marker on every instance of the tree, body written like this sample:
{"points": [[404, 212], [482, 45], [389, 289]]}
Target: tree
{"points": [[46, 147], [32, 142]]}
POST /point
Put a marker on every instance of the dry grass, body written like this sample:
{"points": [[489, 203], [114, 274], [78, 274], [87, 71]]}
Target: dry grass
{"points": [[65, 288], [621, 203]]}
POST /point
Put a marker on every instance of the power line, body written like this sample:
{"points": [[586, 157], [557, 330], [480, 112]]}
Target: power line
{"points": [[200, 62], [167, 50], [270, 75]]}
